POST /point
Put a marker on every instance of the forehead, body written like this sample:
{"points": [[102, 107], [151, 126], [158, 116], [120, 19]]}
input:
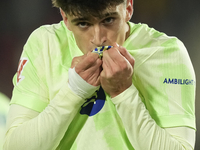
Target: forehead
{"points": [[110, 11]]}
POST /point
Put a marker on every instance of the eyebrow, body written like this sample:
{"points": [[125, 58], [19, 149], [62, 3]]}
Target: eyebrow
{"points": [[110, 14], [82, 19], [79, 19]]}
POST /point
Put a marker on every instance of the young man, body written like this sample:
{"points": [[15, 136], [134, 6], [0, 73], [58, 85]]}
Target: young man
{"points": [[4, 105], [139, 95]]}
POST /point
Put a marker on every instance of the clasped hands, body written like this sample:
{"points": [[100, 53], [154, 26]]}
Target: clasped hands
{"points": [[113, 72]]}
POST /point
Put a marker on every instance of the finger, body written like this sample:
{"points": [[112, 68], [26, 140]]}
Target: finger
{"points": [[88, 61], [93, 71], [115, 56], [95, 77], [91, 74], [95, 63], [110, 65], [119, 62], [107, 62]]}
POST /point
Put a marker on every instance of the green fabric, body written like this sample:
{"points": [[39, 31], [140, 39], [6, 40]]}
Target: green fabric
{"points": [[159, 59], [4, 105]]}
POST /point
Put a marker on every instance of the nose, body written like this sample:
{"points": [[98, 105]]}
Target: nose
{"points": [[99, 36]]}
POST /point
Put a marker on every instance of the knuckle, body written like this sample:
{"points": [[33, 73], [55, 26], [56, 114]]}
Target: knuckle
{"points": [[74, 62], [123, 66], [132, 61], [116, 70], [123, 50], [110, 76], [77, 69], [99, 62], [91, 59], [74, 59]]}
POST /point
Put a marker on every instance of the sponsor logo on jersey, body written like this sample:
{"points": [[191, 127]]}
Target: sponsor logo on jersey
{"points": [[179, 81], [94, 104], [22, 64]]}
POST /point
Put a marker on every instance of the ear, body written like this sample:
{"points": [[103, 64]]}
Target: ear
{"points": [[65, 19], [129, 10]]}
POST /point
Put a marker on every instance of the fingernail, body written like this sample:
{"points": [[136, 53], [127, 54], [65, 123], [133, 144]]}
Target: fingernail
{"points": [[117, 44]]}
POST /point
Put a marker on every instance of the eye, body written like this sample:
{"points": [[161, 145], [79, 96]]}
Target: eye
{"points": [[83, 24], [108, 20]]}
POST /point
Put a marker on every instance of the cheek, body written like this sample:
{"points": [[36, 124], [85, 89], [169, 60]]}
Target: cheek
{"points": [[82, 42], [118, 34]]}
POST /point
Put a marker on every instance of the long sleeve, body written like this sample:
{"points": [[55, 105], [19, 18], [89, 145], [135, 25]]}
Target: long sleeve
{"points": [[28, 128], [141, 129]]}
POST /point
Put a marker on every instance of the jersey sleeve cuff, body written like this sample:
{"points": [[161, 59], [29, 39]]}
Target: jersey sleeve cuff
{"points": [[124, 95]]}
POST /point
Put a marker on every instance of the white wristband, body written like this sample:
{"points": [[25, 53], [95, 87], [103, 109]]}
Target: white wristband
{"points": [[79, 86]]}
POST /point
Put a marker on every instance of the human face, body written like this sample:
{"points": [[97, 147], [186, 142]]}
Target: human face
{"points": [[91, 32]]}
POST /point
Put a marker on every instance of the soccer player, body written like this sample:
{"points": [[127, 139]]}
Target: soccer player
{"points": [[73, 93], [4, 105]]}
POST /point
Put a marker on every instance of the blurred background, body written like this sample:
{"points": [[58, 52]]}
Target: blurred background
{"points": [[180, 18]]}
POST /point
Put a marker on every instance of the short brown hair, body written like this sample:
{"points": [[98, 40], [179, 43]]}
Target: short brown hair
{"points": [[86, 7]]}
